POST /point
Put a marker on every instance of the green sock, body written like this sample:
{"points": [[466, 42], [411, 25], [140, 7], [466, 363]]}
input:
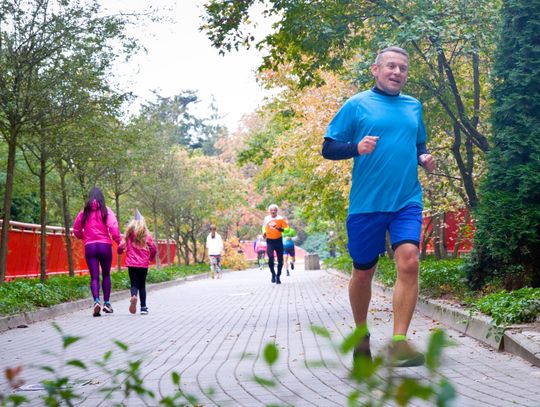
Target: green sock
{"points": [[398, 338]]}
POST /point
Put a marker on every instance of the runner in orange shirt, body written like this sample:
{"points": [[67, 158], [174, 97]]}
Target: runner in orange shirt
{"points": [[273, 227]]}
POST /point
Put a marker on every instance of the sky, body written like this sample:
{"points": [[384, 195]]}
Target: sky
{"points": [[180, 57]]}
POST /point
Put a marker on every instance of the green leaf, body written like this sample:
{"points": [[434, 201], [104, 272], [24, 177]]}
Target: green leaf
{"points": [[410, 388], [16, 399], [69, 340], [76, 363], [353, 339], [107, 355], [364, 368], [437, 341], [264, 382], [321, 331], [270, 353], [47, 369], [352, 398], [175, 378], [121, 345], [447, 393]]}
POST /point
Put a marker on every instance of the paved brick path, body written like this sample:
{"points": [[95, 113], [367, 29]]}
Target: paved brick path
{"points": [[212, 332]]}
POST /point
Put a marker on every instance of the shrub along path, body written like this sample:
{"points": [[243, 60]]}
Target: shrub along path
{"points": [[201, 329]]}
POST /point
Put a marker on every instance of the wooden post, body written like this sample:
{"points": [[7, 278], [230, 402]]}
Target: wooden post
{"points": [[311, 262]]}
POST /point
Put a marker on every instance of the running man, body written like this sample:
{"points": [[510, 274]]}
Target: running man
{"points": [[273, 227], [383, 131]]}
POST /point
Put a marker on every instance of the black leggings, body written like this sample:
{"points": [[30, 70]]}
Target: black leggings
{"points": [[137, 276], [277, 246]]}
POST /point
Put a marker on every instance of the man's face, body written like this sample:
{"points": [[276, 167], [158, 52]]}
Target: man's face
{"points": [[273, 212], [391, 73]]}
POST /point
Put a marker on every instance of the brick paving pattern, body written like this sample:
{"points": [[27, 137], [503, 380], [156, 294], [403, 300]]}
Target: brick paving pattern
{"points": [[212, 332]]}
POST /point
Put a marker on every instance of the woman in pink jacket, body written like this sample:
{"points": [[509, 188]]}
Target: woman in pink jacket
{"points": [[97, 226], [140, 251]]}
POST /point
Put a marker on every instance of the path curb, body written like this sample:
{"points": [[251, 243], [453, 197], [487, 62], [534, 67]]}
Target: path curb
{"points": [[518, 344], [474, 325], [26, 318]]}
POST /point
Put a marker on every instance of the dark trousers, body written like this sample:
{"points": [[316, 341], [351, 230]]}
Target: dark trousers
{"points": [[137, 276], [275, 245], [97, 254]]}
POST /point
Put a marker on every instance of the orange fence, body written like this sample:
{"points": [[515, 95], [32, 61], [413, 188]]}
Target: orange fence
{"points": [[249, 252], [24, 251], [458, 229]]}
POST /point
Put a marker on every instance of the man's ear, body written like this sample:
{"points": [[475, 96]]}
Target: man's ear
{"points": [[374, 69]]}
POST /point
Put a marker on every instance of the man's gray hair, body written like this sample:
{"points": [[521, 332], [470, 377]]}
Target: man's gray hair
{"points": [[273, 206], [390, 49]]}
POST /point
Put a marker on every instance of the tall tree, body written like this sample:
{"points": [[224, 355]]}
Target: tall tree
{"points": [[187, 128], [507, 240], [34, 35], [451, 44], [81, 89]]}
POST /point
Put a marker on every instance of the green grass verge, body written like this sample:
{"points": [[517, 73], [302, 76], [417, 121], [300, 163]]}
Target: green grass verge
{"points": [[23, 295], [514, 307], [437, 277]]}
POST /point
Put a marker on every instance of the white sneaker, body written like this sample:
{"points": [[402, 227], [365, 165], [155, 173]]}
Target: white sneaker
{"points": [[97, 309]]}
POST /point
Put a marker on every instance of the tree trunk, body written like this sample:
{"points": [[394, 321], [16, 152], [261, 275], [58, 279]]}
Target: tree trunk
{"points": [[117, 207], [426, 236], [43, 215], [442, 237], [459, 237], [389, 250], [177, 246], [465, 168], [439, 243], [194, 243], [436, 236], [8, 197], [66, 217], [169, 260], [156, 235], [185, 243]]}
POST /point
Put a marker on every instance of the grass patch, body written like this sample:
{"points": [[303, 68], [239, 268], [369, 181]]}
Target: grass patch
{"points": [[514, 307], [23, 295]]}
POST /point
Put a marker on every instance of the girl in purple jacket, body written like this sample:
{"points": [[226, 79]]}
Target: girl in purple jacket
{"points": [[140, 251], [97, 226]]}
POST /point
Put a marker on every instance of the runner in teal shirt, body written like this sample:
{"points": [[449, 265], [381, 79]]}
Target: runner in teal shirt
{"points": [[387, 179], [383, 131]]}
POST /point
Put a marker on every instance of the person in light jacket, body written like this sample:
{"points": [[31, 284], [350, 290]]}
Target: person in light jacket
{"points": [[97, 226], [140, 251], [214, 244]]}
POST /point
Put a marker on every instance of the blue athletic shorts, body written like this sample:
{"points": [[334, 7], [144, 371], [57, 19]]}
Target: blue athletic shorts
{"points": [[289, 251], [367, 233]]}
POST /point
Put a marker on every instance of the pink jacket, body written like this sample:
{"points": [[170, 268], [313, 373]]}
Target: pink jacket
{"points": [[260, 245], [137, 256], [95, 231]]}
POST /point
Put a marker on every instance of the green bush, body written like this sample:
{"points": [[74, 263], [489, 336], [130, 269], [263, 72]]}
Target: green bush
{"points": [[437, 277], [511, 307], [341, 263], [507, 239], [317, 243]]}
